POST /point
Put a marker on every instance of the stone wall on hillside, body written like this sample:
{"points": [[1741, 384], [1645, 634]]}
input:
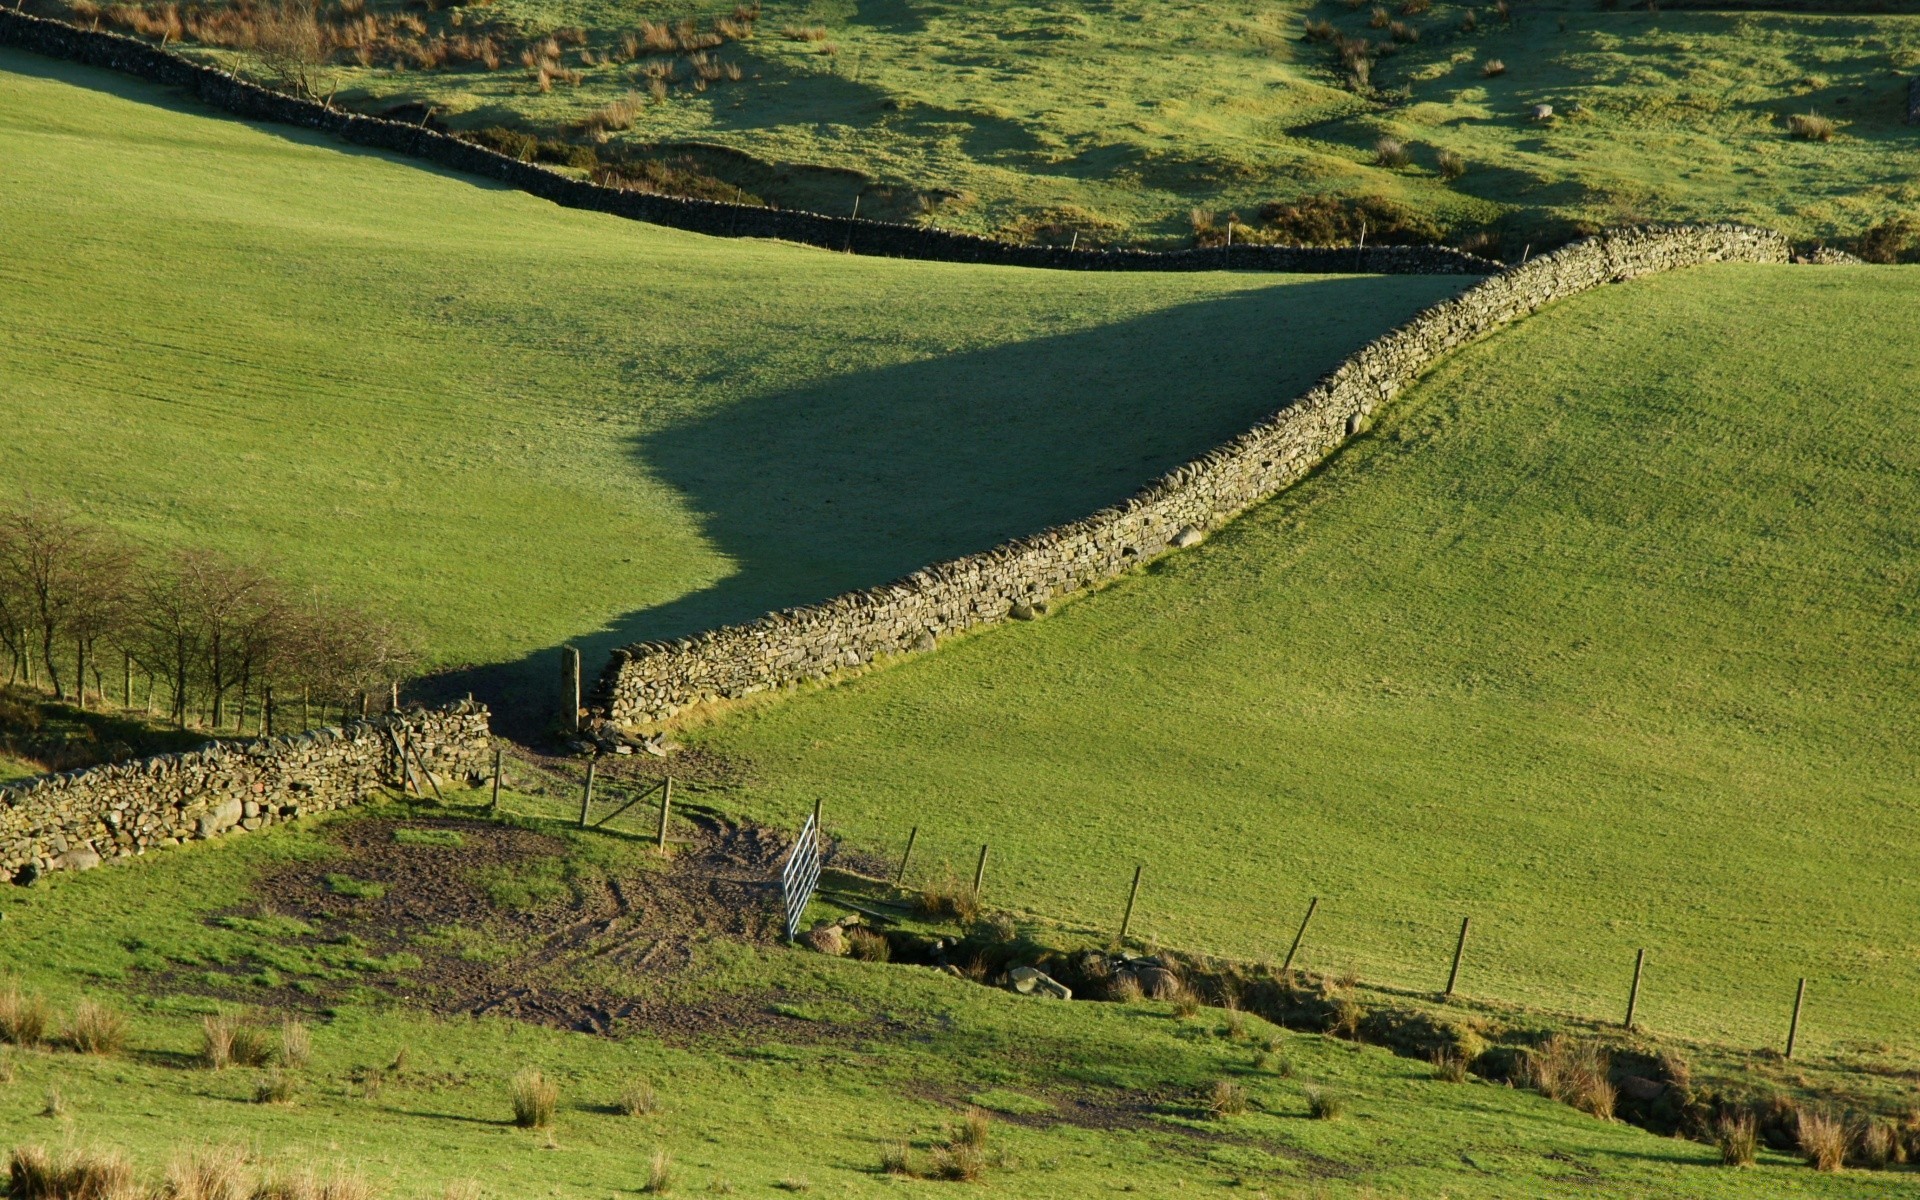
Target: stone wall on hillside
{"points": [[81, 818], [232, 94], [653, 680]]}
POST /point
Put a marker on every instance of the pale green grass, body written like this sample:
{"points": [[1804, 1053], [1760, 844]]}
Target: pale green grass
{"points": [[515, 425], [1134, 112], [1605, 637], [885, 1053]]}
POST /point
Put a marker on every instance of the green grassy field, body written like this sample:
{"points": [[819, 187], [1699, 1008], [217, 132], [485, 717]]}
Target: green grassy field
{"points": [[879, 1053], [1120, 118], [1604, 637], [515, 425]]}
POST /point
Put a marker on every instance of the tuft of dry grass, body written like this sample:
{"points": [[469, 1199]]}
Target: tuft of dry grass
{"points": [[461, 1189], [1186, 1003], [1401, 31], [1811, 127], [1323, 1105], [275, 1087], [296, 1044], [1225, 1098], [1449, 1066], [974, 1129], [961, 1164], [1319, 31], [74, 1174], [1380, 18], [56, 1103], [1124, 989], [638, 1099], [96, 1029], [1452, 165], [311, 1185], [1876, 1143], [868, 945], [1493, 67], [1574, 1073], [1235, 1022], [948, 898], [659, 1174], [1738, 1138], [216, 1040], [535, 1097], [1823, 1139], [897, 1159], [24, 1016], [805, 33], [209, 1173], [1390, 152]]}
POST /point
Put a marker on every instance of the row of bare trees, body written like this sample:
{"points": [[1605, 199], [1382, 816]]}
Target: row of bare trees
{"points": [[206, 633]]}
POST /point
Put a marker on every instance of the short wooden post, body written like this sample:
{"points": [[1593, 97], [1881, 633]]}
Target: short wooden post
{"points": [[363, 706], [586, 795], [570, 686], [900, 876], [1459, 948], [1313, 902], [394, 698], [1793, 1028], [306, 707], [1633, 993], [126, 681], [980, 870], [818, 832], [266, 710], [495, 805], [666, 806], [1133, 893]]}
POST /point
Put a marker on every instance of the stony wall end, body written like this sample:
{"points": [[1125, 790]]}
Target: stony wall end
{"points": [[652, 681], [80, 819]]}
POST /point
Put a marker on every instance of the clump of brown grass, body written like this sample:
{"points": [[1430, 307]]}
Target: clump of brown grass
{"points": [[1401, 31], [1738, 1138], [1225, 1098], [1323, 1105], [1379, 18], [1493, 67], [948, 898], [659, 1174], [1124, 988], [1450, 1066], [1391, 152], [1811, 127], [961, 1164], [1876, 1143], [1469, 21], [1452, 165], [1823, 1139], [638, 1099], [1186, 1003], [311, 1185], [211, 1173], [24, 1016], [96, 1029], [868, 945], [1574, 1073], [615, 115], [1235, 1022], [74, 1174], [974, 1128], [216, 1040], [1319, 31], [275, 1087], [296, 1044], [805, 33], [897, 1159], [56, 1103], [535, 1097]]}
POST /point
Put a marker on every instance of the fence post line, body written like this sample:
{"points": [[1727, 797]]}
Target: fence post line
{"points": [[1133, 893], [1633, 994], [1459, 948], [1793, 1028], [494, 805], [900, 876], [980, 871], [1313, 902], [666, 805], [586, 794]]}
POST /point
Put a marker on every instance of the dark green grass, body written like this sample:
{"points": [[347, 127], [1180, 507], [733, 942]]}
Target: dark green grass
{"points": [[514, 425], [1120, 118], [1605, 637], [846, 1059]]}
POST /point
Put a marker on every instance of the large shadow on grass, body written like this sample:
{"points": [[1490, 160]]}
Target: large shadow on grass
{"points": [[864, 477]]}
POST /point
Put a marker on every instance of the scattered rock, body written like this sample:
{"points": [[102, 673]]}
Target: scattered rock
{"points": [[924, 643], [1639, 1087], [827, 939], [1188, 536], [1022, 612], [1543, 112], [623, 749], [80, 859], [1032, 981]]}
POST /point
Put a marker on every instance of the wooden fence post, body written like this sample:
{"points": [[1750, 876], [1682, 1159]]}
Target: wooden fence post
{"points": [[1459, 948], [1793, 1029], [266, 710], [900, 876], [393, 700], [495, 805], [980, 871], [1313, 902], [570, 686], [126, 681], [666, 805], [586, 795], [1633, 994], [1133, 893]]}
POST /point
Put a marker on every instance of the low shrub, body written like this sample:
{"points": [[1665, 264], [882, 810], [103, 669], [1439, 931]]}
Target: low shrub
{"points": [[1390, 152], [1493, 67], [1823, 1139], [216, 1040], [638, 1099], [1225, 1098], [659, 1174], [1890, 241], [96, 1029], [1452, 166], [1339, 221], [535, 1097], [1738, 1138], [1811, 127]]}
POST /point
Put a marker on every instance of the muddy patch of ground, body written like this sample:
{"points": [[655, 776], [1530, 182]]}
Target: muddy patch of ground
{"points": [[502, 922]]}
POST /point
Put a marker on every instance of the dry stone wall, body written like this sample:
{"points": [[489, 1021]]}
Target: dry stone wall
{"points": [[653, 680], [82, 818], [243, 98]]}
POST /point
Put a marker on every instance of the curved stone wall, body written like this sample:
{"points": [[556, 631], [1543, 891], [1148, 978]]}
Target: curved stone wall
{"points": [[235, 95], [654, 680]]}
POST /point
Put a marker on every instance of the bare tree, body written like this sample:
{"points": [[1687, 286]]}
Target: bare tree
{"points": [[65, 579]]}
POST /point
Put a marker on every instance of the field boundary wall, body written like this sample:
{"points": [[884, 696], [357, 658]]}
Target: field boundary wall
{"points": [[653, 680], [79, 819], [243, 98]]}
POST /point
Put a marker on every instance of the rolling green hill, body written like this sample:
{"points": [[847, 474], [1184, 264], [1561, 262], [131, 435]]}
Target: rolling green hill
{"points": [[516, 425], [1118, 119], [1604, 636]]}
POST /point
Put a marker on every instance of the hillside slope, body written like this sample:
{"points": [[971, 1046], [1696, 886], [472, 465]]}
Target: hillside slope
{"points": [[519, 425], [1605, 636]]}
